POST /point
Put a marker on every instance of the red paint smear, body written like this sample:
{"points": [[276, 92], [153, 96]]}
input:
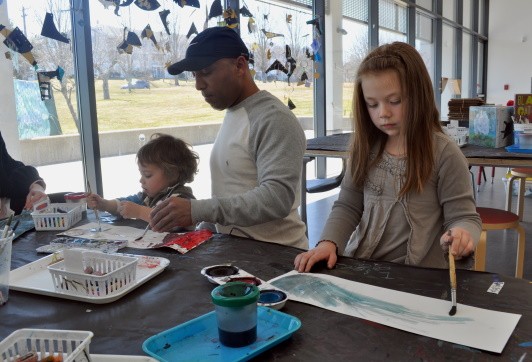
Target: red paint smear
{"points": [[188, 240], [374, 324]]}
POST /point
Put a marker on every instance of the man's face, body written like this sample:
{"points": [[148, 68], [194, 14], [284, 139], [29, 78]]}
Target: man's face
{"points": [[220, 83]]}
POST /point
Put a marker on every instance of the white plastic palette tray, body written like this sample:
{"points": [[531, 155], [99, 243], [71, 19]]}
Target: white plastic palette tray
{"points": [[35, 278]]}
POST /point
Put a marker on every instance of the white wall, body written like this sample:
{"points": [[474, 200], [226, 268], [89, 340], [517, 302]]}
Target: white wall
{"points": [[509, 49]]}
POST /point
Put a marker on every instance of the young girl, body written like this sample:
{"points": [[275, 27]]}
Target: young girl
{"points": [[407, 183], [166, 164]]}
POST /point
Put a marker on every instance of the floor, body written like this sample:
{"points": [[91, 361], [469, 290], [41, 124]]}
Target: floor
{"points": [[501, 245]]}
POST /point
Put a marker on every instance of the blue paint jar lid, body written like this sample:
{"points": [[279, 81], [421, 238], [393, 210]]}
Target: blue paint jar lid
{"points": [[235, 294]]}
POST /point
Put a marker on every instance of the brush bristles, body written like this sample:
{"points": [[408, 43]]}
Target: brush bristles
{"points": [[453, 310]]}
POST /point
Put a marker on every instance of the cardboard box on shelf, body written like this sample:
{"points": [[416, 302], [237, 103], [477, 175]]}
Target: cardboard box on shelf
{"points": [[491, 126]]}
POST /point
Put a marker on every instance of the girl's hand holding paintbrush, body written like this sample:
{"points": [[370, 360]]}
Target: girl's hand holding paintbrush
{"points": [[459, 243]]}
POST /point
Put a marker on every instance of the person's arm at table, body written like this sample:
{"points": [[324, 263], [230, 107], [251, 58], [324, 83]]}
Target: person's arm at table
{"points": [[342, 221]]}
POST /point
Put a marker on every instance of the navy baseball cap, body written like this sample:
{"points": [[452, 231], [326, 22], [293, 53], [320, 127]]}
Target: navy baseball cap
{"points": [[207, 47]]}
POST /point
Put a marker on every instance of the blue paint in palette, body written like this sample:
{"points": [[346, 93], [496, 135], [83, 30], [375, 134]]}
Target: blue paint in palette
{"points": [[525, 344]]}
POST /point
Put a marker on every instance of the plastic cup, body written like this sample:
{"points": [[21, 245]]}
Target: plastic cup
{"points": [[236, 313], [5, 265], [77, 198]]}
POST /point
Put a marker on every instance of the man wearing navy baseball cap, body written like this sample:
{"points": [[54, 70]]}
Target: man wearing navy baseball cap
{"points": [[256, 158]]}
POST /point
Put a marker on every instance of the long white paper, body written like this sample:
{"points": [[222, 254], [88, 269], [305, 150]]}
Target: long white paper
{"points": [[470, 326]]}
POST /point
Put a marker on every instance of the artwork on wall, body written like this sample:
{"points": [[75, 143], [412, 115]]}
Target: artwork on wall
{"points": [[474, 327]]}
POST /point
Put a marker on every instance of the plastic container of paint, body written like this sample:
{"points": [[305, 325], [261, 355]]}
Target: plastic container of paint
{"points": [[236, 313], [77, 198]]}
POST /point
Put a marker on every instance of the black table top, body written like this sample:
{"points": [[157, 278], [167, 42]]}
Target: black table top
{"points": [[340, 142], [181, 293]]}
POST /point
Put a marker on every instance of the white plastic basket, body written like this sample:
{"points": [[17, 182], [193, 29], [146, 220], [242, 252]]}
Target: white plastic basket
{"points": [[110, 274], [71, 345], [60, 216]]}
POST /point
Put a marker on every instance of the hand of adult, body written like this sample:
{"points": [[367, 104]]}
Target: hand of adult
{"points": [[171, 213], [35, 195], [325, 250], [460, 242]]}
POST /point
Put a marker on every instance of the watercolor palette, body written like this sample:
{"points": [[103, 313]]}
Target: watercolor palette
{"points": [[223, 273], [35, 278], [198, 339]]}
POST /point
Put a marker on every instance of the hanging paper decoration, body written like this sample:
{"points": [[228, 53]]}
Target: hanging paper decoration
{"points": [[245, 12], [148, 33], [316, 23], [268, 54], [126, 46], [251, 59], [231, 18], [252, 26], [288, 18], [163, 15], [107, 3], [148, 5], [307, 53], [291, 104], [192, 30], [44, 81], [277, 65], [17, 42], [49, 29], [183, 3], [216, 9], [265, 16], [303, 79], [290, 62], [270, 35], [118, 5]]}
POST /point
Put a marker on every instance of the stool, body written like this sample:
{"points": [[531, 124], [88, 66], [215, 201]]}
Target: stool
{"points": [[522, 174], [496, 219]]}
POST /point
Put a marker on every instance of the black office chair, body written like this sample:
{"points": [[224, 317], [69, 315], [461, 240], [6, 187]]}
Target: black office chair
{"points": [[317, 185]]}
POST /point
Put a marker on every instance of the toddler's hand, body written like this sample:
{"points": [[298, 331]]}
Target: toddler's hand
{"points": [[129, 210], [94, 201]]}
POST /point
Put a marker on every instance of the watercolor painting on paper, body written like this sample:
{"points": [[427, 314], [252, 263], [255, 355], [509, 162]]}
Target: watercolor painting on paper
{"points": [[474, 327]]}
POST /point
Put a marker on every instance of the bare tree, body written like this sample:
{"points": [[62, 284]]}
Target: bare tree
{"points": [[105, 55]]}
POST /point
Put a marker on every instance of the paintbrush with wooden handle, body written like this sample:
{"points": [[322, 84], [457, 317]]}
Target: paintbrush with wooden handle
{"points": [[452, 274]]}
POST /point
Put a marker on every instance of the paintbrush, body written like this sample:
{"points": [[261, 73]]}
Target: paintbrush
{"points": [[6, 228], [96, 213], [452, 274], [148, 226]]}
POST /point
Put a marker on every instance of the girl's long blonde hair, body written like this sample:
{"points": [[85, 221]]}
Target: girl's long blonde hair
{"points": [[422, 118]]}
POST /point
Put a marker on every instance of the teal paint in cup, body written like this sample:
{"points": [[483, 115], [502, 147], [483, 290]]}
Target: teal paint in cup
{"points": [[236, 313]]}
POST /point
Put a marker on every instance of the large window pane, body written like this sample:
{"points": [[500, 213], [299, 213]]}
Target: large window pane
{"points": [[425, 41], [449, 9], [448, 70], [466, 66], [41, 124], [136, 97]]}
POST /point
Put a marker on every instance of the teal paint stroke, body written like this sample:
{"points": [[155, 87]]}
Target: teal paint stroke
{"points": [[330, 295], [525, 344]]}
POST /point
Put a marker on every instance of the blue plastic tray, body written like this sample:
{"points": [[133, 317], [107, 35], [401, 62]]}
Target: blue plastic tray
{"points": [[518, 150], [197, 340]]}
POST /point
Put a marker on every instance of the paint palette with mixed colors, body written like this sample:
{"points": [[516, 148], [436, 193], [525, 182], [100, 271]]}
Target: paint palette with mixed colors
{"points": [[223, 273]]}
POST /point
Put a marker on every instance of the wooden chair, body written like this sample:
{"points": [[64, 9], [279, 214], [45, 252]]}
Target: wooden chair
{"points": [[497, 219], [520, 174]]}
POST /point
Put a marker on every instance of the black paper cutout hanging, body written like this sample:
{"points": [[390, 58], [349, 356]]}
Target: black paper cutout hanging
{"points": [[118, 5], [183, 3], [303, 79], [17, 42], [245, 12], [216, 9], [251, 59], [49, 29], [316, 23], [163, 15], [291, 104], [148, 33], [148, 5], [44, 81], [270, 35], [290, 61], [107, 3], [231, 19], [265, 16], [133, 39], [252, 27], [277, 65], [192, 30], [307, 53], [288, 18]]}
